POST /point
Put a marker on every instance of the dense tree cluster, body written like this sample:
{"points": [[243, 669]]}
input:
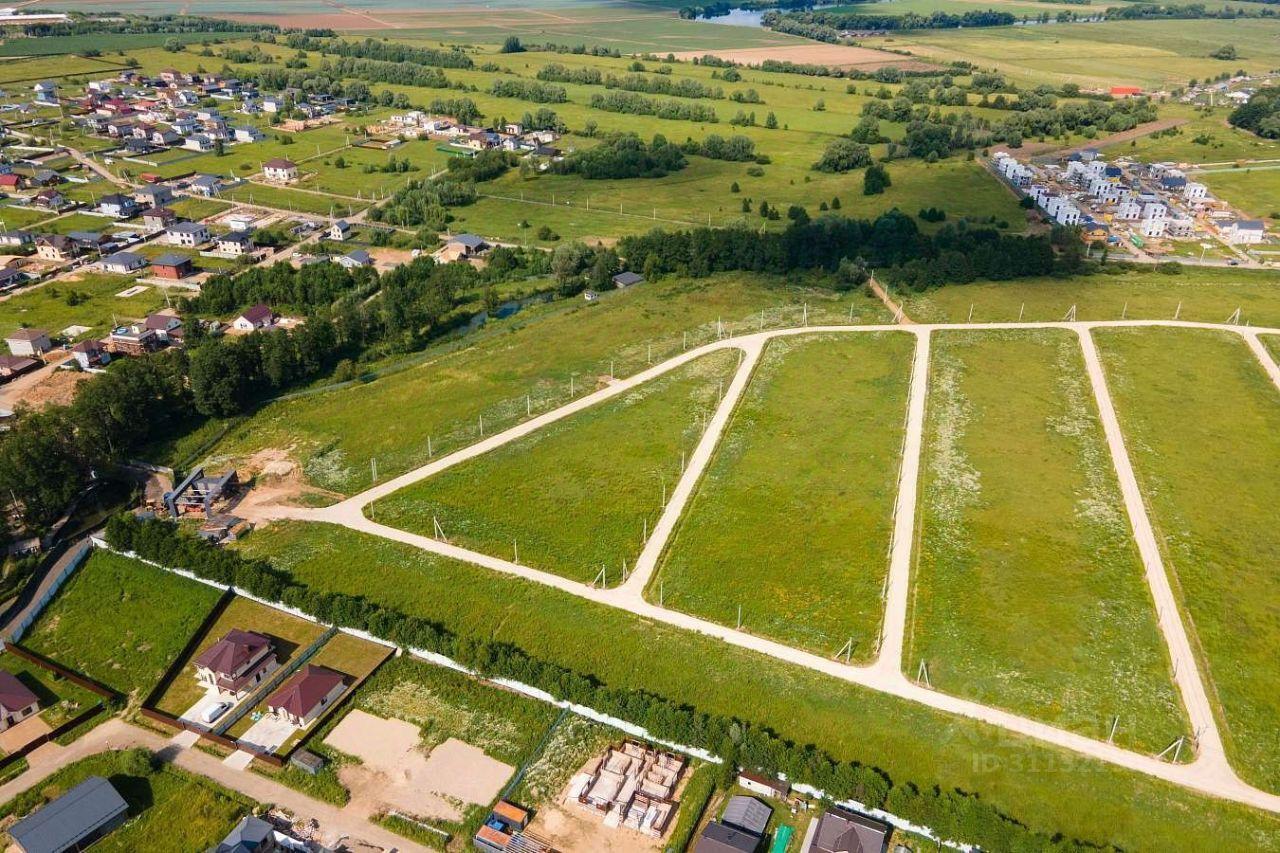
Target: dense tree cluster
{"points": [[382, 49], [736, 148], [635, 104], [462, 110], [529, 90], [280, 285], [623, 156], [828, 26], [741, 743], [557, 73], [892, 243], [842, 155], [1261, 114], [399, 73], [681, 87]]}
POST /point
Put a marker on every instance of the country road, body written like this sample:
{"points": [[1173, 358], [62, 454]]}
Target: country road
{"points": [[1210, 771]]}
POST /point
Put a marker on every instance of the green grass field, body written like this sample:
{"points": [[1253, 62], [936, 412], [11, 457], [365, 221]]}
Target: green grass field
{"points": [[1205, 295], [289, 635], [120, 622], [1255, 192], [1204, 138], [97, 305], [793, 517], [1043, 787], [576, 496], [16, 217], [170, 811], [535, 352], [1028, 592], [1202, 421]]}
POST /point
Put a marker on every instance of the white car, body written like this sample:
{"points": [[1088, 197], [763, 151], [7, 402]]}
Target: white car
{"points": [[215, 711]]}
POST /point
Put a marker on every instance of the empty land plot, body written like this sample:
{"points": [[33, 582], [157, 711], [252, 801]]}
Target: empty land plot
{"points": [[334, 435], [120, 621], [87, 300], [1205, 295], [577, 496], [833, 55], [1044, 787], [1028, 590], [792, 519], [1255, 191], [1202, 423]]}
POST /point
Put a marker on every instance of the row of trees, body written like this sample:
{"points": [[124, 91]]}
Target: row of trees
{"points": [[623, 156], [889, 243], [635, 104], [682, 87], [304, 289], [529, 90], [382, 49], [557, 73], [740, 742]]}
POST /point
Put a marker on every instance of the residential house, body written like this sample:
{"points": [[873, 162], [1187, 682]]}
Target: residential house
{"points": [[92, 241], [90, 354], [45, 178], [46, 92], [765, 786], [198, 142], [74, 821], [32, 343], [354, 260], [747, 814], [1244, 231], [12, 181], [16, 239], [1193, 191], [248, 133], [55, 247], [626, 279], [1153, 227], [50, 200], [470, 244], [16, 365], [166, 138], [237, 663], [173, 266], [123, 262], [117, 205], [309, 693], [259, 316], [250, 835], [138, 147], [189, 234], [166, 324], [340, 230], [842, 831], [158, 219], [236, 243], [280, 170], [206, 185], [717, 837], [156, 195], [11, 277], [136, 339], [17, 702], [1128, 211]]}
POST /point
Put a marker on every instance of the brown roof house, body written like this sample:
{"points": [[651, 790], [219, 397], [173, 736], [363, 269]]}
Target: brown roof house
{"points": [[257, 316], [15, 365], [237, 663], [32, 343], [280, 170], [90, 354], [841, 831], [307, 695], [17, 702]]}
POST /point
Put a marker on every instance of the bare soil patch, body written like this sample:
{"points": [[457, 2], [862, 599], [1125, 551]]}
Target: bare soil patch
{"points": [[833, 55], [16, 737], [576, 831], [333, 20], [277, 481], [395, 773]]}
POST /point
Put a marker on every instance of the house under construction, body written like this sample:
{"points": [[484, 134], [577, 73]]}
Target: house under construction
{"points": [[632, 785], [198, 493]]}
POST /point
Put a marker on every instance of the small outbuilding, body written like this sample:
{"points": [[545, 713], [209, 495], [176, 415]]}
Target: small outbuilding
{"points": [[32, 343], [627, 279]]}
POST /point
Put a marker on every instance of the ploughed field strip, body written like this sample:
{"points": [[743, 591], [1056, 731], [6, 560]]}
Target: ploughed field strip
{"points": [[1202, 422], [1028, 592], [793, 517], [577, 497]]}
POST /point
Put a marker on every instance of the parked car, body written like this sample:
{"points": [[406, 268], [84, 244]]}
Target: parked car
{"points": [[215, 711]]}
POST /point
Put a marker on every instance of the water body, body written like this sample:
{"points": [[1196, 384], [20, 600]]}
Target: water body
{"points": [[740, 18]]}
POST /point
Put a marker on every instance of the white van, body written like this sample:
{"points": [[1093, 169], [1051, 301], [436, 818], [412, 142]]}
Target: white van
{"points": [[215, 711]]}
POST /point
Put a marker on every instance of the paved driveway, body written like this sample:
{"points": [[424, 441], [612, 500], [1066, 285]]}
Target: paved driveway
{"points": [[195, 714], [268, 733]]}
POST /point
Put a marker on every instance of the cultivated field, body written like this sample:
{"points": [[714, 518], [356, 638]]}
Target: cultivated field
{"points": [[792, 519], [1202, 422], [575, 498], [120, 622], [1028, 592], [833, 55]]}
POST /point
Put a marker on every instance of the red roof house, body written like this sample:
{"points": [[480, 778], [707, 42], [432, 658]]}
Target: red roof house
{"points": [[17, 702], [307, 694], [236, 663]]}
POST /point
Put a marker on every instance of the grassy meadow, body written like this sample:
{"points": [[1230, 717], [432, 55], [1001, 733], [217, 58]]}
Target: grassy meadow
{"points": [[793, 517], [1202, 421], [537, 353], [1044, 787], [87, 300], [577, 496], [1205, 295], [120, 622], [1027, 591]]}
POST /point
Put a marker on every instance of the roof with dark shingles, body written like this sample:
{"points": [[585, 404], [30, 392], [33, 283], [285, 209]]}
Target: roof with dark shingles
{"points": [[67, 820], [232, 651], [305, 689], [14, 695]]}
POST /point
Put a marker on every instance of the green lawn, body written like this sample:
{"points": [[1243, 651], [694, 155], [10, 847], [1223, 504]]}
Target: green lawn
{"points": [[288, 634], [60, 699], [1202, 422], [793, 517], [15, 217], [536, 353], [1255, 192], [1028, 592], [298, 201], [1205, 295], [120, 622], [90, 301], [1204, 138], [198, 208], [1046, 788], [170, 811], [576, 496]]}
